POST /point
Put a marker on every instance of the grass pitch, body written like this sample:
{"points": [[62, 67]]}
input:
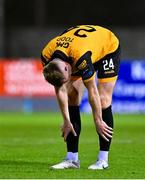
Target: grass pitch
{"points": [[30, 143]]}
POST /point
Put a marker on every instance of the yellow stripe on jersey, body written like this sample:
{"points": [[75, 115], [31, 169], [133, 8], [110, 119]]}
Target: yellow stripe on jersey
{"points": [[104, 80]]}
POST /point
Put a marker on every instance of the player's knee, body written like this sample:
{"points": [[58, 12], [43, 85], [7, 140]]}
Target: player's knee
{"points": [[75, 94], [105, 100], [73, 98], [105, 92]]}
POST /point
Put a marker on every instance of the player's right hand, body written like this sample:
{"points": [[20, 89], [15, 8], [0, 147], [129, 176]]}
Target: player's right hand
{"points": [[104, 130], [67, 128]]}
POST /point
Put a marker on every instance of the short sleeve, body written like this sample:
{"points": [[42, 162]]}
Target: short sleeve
{"points": [[85, 66]]}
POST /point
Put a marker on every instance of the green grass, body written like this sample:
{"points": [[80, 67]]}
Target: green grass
{"points": [[30, 143]]}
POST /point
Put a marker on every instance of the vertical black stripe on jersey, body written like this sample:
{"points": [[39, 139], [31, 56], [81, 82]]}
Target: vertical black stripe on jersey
{"points": [[88, 71]]}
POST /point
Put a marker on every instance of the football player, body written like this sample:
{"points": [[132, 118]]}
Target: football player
{"points": [[71, 61]]}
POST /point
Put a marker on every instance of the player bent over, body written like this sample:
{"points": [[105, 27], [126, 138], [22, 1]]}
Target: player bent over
{"points": [[71, 61]]}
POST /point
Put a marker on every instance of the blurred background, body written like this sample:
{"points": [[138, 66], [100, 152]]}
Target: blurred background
{"points": [[25, 28]]}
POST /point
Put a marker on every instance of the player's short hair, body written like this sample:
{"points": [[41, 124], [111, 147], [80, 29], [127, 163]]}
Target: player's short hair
{"points": [[53, 74]]}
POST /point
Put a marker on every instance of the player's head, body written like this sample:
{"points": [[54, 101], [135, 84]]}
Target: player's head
{"points": [[57, 72]]}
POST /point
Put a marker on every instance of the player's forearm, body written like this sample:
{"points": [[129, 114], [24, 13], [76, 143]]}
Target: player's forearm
{"points": [[94, 100], [62, 99]]}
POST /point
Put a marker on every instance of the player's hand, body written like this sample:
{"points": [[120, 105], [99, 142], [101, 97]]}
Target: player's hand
{"points": [[67, 128], [104, 130]]}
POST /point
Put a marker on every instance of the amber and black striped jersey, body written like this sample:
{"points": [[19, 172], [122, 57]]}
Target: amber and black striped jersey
{"points": [[81, 46]]}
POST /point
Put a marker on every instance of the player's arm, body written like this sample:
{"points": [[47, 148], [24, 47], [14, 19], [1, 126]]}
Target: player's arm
{"points": [[94, 100], [62, 97], [87, 71]]}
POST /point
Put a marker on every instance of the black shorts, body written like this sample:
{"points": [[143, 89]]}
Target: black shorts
{"points": [[107, 68]]}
